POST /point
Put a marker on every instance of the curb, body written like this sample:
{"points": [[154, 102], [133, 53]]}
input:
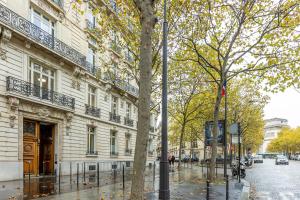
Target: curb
{"points": [[245, 191]]}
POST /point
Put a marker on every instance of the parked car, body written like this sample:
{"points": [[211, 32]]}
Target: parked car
{"points": [[258, 159], [281, 159], [185, 159], [297, 157], [176, 159]]}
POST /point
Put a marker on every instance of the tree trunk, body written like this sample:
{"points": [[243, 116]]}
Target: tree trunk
{"points": [[147, 20], [180, 143], [212, 173]]}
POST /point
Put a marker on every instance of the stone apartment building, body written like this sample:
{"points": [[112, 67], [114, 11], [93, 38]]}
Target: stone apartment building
{"points": [[56, 105], [193, 149]]}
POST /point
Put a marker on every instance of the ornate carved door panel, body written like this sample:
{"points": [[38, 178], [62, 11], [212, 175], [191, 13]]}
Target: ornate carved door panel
{"points": [[30, 147]]}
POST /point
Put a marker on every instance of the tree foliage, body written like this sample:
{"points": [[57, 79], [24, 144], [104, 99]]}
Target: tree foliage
{"points": [[288, 141]]}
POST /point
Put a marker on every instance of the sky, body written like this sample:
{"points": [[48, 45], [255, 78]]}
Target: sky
{"points": [[284, 105]]}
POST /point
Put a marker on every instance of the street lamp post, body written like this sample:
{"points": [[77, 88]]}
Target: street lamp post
{"points": [[164, 191]]}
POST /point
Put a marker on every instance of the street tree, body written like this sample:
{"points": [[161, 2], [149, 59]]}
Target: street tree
{"points": [[241, 38]]}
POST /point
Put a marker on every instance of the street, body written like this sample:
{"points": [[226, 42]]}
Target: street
{"points": [[275, 182]]}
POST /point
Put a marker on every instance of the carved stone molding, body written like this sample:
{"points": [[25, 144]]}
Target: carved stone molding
{"points": [[77, 75], [107, 87], [27, 44], [69, 117], [91, 122], [5, 38], [13, 112], [5, 35], [43, 112]]}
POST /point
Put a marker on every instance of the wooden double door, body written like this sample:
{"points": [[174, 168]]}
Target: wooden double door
{"points": [[38, 148]]}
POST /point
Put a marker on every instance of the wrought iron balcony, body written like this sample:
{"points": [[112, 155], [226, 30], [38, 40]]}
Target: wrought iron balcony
{"points": [[27, 89], [93, 111], [128, 152], [38, 35], [152, 129], [128, 121], [114, 154], [90, 25], [125, 86], [90, 67], [94, 153], [59, 3], [114, 118], [151, 153]]}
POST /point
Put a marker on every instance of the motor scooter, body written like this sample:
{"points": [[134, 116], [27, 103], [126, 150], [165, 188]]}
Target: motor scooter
{"points": [[235, 166]]}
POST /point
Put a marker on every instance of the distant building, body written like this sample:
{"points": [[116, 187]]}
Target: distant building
{"points": [[272, 128]]}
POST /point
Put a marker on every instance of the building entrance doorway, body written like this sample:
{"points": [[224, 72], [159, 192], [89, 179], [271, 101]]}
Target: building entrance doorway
{"points": [[38, 148]]}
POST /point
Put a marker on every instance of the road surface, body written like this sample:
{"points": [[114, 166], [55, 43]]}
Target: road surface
{"points": [[275, 182]]}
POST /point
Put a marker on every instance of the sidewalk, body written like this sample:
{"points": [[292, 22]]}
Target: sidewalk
{"points": [[188, 183]]}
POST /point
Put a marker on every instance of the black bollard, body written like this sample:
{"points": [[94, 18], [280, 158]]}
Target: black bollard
{"points": [[207, 189], [98, 173], [77, 174], [227, 188], [123, 177], [70, 172]]}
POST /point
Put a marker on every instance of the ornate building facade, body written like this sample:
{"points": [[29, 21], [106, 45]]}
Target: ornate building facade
{"points": [[56, 105]]}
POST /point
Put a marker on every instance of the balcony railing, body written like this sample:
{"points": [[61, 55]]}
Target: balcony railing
{"points": [[30, 90], [59, 3], [114, 154], [114, 118], [90, 25], [92, 152], [93, 111], [128, 121], [124, 85], [152, 129], [151, 153], [23, 26], [128, 152], [90, 67]]}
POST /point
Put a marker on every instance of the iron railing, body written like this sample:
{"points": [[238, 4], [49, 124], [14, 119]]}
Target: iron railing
{"points": [[91, 152], [114, 154], [124, 85], [60, 3], [35, 33], [23, 26], [30, 90], [152, 129], [128, 152], [114, 118], [93, 111], [128, 121]]}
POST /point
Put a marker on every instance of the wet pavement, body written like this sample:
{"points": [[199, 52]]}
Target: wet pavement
{"points": [[188, 183], [275, 182]]}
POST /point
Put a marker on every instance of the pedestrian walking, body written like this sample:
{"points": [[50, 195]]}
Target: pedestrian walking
{"points": [[173, 161]]}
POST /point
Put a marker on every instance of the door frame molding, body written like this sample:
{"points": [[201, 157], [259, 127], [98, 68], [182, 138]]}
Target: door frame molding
{"points": [[59, 131]]}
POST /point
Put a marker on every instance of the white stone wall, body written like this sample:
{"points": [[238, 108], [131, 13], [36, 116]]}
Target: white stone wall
{"points": [[71, 145]]}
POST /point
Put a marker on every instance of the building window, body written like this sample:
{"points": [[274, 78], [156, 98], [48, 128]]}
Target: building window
{"points": [[91, 56], [42, 78], [91, 18], [128, 110], [114, 105], [114, 5], [113, 143], [195, 144], [91, 96], [91, 140], [150, 147], [42, 22], [128, 143]]}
